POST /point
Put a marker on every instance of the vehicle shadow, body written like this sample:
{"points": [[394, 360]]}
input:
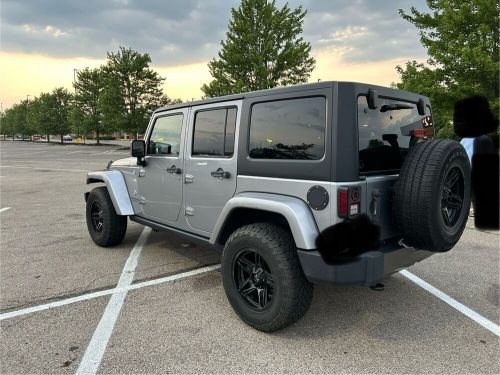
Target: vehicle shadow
{"points": [[393, 314]]}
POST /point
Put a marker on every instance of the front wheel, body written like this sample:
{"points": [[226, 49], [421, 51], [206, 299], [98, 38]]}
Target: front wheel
{"points": [[105, 226], [263, 279]]}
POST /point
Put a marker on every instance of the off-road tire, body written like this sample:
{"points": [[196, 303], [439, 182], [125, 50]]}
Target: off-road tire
{"points": [[114, 226], [420, 199], [292, 293]]}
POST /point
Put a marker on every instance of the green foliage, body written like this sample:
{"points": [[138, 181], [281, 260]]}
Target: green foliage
{"points": [[263, 49], [461, 38], [85, 116], [59, 111], [132, 91], [16, 120]]}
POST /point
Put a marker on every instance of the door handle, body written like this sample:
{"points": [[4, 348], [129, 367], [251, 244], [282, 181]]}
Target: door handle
{"points": [[140, 173], [174, 170], [219, 173]]}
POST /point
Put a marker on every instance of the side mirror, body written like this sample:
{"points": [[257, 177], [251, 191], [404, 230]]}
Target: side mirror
{"points": [[138, 150]]}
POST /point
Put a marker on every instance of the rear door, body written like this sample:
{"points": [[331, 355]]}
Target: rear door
{"points": [[210, 163], [386, 134], [160, 180]]}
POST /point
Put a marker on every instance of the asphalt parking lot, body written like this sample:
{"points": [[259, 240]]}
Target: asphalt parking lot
{"points": [[171, 321]]}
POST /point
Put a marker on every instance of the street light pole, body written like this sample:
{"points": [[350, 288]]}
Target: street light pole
{"points": [[25, 114], [74, 86]]}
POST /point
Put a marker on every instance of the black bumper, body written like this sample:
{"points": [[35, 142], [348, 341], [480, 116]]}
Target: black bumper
{"points": [[366, 269]]}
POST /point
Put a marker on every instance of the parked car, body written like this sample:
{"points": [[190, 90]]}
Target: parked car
{"points": [[67, 138], [264, 175]]}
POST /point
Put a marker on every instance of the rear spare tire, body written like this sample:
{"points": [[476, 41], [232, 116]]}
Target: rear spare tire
{"points": [[432, 195]]}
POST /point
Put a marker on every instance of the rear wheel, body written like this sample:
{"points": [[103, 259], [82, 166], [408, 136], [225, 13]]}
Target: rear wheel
{"points": [[105, 226], [432, 195], [263, 279]]}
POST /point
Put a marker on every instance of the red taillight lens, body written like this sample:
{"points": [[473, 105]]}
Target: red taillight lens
{"points": [[343, 202], [419, 133], [349, 201]]}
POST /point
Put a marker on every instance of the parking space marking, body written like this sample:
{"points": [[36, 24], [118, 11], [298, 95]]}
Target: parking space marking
{"points": [[106, 292], [4, 209], [44, 169], [488, 324], [97, 346]]}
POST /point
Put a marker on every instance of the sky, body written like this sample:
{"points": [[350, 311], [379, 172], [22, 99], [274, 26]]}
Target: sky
{"points": [[43, 41]]}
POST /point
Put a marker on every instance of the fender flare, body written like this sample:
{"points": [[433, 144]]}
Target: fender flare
{"points": [[117, 189], [294, 210]]}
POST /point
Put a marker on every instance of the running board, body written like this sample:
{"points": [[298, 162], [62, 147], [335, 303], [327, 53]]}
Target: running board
{"points": [[203, 241]]}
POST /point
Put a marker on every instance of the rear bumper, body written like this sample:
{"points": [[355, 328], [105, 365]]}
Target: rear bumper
{"points": [[366, 269]]}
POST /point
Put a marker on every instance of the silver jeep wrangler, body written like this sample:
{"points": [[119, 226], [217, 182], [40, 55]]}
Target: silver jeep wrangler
{"points": [[262, 174]]}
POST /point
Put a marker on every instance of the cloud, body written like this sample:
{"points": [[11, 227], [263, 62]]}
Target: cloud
{"points": [[179, 32]]}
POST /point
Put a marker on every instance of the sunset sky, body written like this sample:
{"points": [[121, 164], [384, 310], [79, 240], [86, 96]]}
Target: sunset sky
{"points": [[43, 41]]}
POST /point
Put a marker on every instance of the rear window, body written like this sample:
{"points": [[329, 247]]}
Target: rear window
{"points": [[385, 133], [288, 129]]}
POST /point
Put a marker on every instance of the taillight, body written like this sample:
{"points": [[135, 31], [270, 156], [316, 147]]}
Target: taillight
{"points": [[343, 201], [419, 133], [349, 201], [423, 133]]}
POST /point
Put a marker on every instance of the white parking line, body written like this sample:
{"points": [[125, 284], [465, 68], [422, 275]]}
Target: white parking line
{"points": [[97, 345], [107, 292], [4, 209], [488, 324], [44, 169]]}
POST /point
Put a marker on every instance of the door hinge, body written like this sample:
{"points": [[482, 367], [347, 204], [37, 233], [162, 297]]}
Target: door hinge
{"points": [[189, 211]]}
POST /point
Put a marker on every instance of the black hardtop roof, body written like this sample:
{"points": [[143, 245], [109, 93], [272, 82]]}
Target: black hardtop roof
{"points": [[279, 90]]}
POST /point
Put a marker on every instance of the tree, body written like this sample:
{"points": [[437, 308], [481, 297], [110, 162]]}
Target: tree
{"points": [[461, 38], [132, 91], [59, 109], [263, 49], [86, 115], [16, 119], [6, 126]]}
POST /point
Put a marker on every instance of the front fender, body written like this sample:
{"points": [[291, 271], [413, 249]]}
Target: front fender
{"points": [[294, 210], [116, 187]]}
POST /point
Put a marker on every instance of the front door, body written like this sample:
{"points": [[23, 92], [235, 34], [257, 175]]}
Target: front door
{"points": [[160, 180], [210, 179]]}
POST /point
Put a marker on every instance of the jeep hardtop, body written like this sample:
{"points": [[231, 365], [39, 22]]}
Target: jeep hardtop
{"points": [[261, 175]]}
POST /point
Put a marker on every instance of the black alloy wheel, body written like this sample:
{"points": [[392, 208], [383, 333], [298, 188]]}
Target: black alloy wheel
{"points": [[97, 216], [452, 197], [253, 279]]}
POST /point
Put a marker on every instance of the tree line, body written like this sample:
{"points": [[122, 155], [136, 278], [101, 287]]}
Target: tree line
{"points": [[264, 48], [118, 96]]}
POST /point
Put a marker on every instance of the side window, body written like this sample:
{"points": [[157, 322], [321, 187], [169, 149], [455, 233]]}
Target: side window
{"points": [[166, 136], [213, 133], [288, 129]]}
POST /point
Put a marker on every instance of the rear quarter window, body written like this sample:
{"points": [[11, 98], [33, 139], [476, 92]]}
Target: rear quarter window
{"points": [[288, 129], [385, 134]]}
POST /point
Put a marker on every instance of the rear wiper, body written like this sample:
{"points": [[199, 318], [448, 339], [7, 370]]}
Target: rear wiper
{"points": [[394, 107]]}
